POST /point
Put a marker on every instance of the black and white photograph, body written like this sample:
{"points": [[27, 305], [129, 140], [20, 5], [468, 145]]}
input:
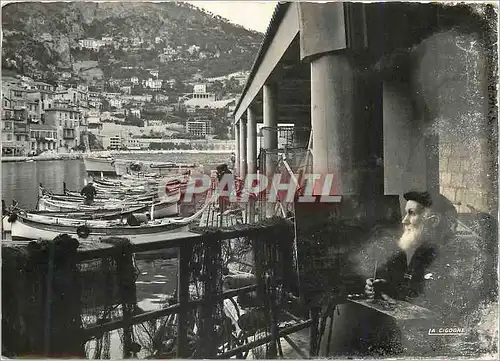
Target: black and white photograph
{"points": [[249, 180]]}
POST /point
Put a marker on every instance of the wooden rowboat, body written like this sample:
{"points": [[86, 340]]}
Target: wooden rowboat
{"points": [[28, 226], [159, 209]]}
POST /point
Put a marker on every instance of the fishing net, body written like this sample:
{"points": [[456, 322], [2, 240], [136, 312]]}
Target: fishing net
{"points": [[98, 286], [108, 292]]}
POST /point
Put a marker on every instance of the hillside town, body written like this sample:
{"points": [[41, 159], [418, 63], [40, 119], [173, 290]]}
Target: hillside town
{"points": [[65, 117]]}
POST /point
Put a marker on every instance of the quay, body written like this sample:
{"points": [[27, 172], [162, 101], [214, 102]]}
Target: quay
{"points": [[54, 156], [65, 156], [394, 100]]}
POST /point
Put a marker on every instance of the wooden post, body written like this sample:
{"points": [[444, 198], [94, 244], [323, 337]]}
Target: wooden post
{"points": [[126, 276], [272, 296], [313, 334], [48, 301], [183, 273], [209, 306], [64, 188], [251, 211], [61, 299]]}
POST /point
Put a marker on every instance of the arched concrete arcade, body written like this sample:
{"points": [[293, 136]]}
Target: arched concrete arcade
{"points": [[371, 80]]}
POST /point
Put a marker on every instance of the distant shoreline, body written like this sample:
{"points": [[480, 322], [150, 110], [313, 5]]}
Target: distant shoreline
{"points": [[73, 156], [62, 156], [172, 151]]}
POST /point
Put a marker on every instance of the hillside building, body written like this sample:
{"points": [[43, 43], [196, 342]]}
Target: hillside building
{"points": [[93, 44], [43, 137], [66, 119], [15, 129], [113, 142], [154, 84], [200, 127]]}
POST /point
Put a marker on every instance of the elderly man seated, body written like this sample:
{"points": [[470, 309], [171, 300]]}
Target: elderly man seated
{"points": [[433, 269]]}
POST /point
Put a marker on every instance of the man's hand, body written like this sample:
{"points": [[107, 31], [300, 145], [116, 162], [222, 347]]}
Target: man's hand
{"points": [[373, 287]]}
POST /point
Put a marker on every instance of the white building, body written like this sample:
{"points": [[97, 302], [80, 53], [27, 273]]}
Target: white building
{"points": [[199, 128], [136, 112], [116, 102], [94, 122], [107, 40], [93, 44], [154, 84], [46, 37], [193, 49], [126, 89], [137, 41], [112, 142], [200, 89], [133, 143], [153, 123]]}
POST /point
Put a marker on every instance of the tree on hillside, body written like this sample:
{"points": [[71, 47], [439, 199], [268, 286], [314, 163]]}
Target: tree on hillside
{"points": [[106, 107], [133, 120], [217, 87]]}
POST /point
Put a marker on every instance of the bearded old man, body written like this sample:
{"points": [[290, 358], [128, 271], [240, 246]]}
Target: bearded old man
{"points": [[434, 269]]}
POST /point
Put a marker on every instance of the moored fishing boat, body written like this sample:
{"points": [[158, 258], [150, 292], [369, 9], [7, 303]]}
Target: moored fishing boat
{"points": [[99, 165], [117, 195], [46, 203], [25, 226], [144, 168], [160, 209], [34, 226], [110, 214]]}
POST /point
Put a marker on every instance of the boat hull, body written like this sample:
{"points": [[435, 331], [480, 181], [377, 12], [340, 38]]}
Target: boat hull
{"points": [[160, 209], [164, 210], [97, 166], [23, 229], [52, 205]]}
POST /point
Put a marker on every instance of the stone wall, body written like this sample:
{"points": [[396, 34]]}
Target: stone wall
{"points": [[452, 84], [462, 179]]}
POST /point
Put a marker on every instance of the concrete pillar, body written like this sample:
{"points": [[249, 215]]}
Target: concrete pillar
{"points": [[270, 134], [237, 148], [332, 84], [270, 110], [251, 156], [411, 158], [346, 120], [251, 142], [243, 148]]}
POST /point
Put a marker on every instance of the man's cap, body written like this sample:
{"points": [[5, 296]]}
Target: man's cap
{"points": [[438, 203], [423, 198]]}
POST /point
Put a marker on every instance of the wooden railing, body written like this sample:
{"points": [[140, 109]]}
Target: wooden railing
{"points": [[185, 242]]}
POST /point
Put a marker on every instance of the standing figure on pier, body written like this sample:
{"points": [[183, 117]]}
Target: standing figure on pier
{"points": [[233, 161], [222, 171], [89, 192]]}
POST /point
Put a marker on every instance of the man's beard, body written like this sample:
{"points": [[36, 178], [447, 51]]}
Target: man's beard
{"points": [[411, 238]]}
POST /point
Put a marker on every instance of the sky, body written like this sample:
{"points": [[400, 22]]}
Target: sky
{"points": [[254, 15]]}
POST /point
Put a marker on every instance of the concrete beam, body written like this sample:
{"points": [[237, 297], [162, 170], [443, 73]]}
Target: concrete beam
{"points": [[285, 34], [243, 148], [237, 148], [252, 141]]}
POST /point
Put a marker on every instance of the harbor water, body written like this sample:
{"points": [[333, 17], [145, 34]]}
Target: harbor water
{"points": [[157, 278], [20, 180]]}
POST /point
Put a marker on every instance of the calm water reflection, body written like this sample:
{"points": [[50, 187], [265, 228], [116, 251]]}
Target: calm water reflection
{"points": [[157, 279], [20, 179]]}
